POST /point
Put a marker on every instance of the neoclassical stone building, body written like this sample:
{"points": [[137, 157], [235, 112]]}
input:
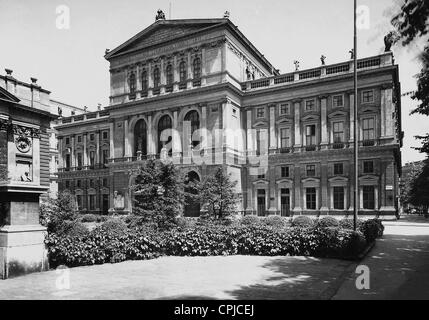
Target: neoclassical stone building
{"points": [[200, 94]]}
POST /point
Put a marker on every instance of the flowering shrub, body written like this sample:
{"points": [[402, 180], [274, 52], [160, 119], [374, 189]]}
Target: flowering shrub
{"points": [[302, 222], [348, 223], [113, 241], [250, 220], [327, 222], [275, 221], [372, 229]]}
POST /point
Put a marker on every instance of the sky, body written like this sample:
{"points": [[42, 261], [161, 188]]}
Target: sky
{"points": [[69, 61]]}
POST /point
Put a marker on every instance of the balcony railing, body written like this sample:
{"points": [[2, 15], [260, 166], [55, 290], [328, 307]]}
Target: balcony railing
{"points": [[196, 83], [380, 61], [97, 166]]}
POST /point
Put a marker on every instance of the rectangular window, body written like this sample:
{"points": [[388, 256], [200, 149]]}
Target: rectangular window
{"points": [[79, 201], [67, 140], [310, 105], [105, 155], [67, 184], [310, 135], [367, 96], [284, 109], [284, 137], [67, 161], [91, 158], [368, 197], [285, 172], [338, 168], [79, 138], [105, 136], [91, 137], [311, 170], [105, 182], [92, 202], [260, 113], [261, 176], [79, 160], [338, 198], [368, 129], [79, 184], [338, 101], [368, 167], [310, 195], [338, 132]]}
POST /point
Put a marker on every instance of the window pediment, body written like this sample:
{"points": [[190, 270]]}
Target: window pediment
{"points": [[337, 114], [259, 182], [368, 109], [311, 117], [260, 123]]}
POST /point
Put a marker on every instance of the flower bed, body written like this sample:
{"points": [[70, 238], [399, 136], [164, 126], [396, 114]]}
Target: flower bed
{"points": [[114, 242]]}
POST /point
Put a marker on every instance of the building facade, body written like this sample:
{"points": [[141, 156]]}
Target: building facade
{"points": [[34, 96], [198, 93]]}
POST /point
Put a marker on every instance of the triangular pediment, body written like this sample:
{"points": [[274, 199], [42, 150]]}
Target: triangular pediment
{"points": [[6, 95], [164, 31]]}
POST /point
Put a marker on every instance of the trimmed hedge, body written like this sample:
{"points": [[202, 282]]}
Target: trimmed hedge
{"points": [[114, 242], [275, 221], [89, 217]]}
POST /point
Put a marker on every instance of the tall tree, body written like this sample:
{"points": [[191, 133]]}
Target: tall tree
{"points": [[217, 194], [419, 195], [409, 174], [412, 23], [159, 193]]}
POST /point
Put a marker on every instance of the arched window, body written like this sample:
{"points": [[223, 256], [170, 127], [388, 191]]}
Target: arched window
{"points": [[182, 71], [163, 124], [194, 118], [169, 74], [156, 78], [140, 138], [132, 83], [197, 68], [144, 81]]}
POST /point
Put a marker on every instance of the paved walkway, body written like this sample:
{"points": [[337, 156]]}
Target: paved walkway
{"points": [[399, 266]]}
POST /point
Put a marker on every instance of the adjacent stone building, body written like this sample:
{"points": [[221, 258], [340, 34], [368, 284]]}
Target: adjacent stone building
{"points": [[200, 94], [34, 96]]}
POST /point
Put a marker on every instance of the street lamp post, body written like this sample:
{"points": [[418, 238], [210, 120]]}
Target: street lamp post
{"points": [[356, 142]]}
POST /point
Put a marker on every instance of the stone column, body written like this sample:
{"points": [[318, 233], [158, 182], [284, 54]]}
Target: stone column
{"points": [[85, 151], [324, 187], [323, 120], [176, 144], [111, 136], [189, 65], [73, 159], [60, 152], [149, 79], [352, 117], [203, 67], [297, 121], [387, 122], [297, 210], [250, 142], [151, 146], [97, 151], [273, 137], [126, 141], [175, 74], [163, 81]]}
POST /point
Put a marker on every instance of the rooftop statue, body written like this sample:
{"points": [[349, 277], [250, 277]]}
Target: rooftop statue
{"points": [[322, 59], [389, 40], [160, 15], [296, 63]]}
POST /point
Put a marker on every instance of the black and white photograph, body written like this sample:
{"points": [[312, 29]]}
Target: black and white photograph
{"points": [[207, 155]]}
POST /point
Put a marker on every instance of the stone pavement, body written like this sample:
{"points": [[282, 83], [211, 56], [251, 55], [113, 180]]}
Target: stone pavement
{"points": [[399, 266]]}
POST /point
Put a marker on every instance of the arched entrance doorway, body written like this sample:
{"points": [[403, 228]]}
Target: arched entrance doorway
{"points": [[192, 208]]}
